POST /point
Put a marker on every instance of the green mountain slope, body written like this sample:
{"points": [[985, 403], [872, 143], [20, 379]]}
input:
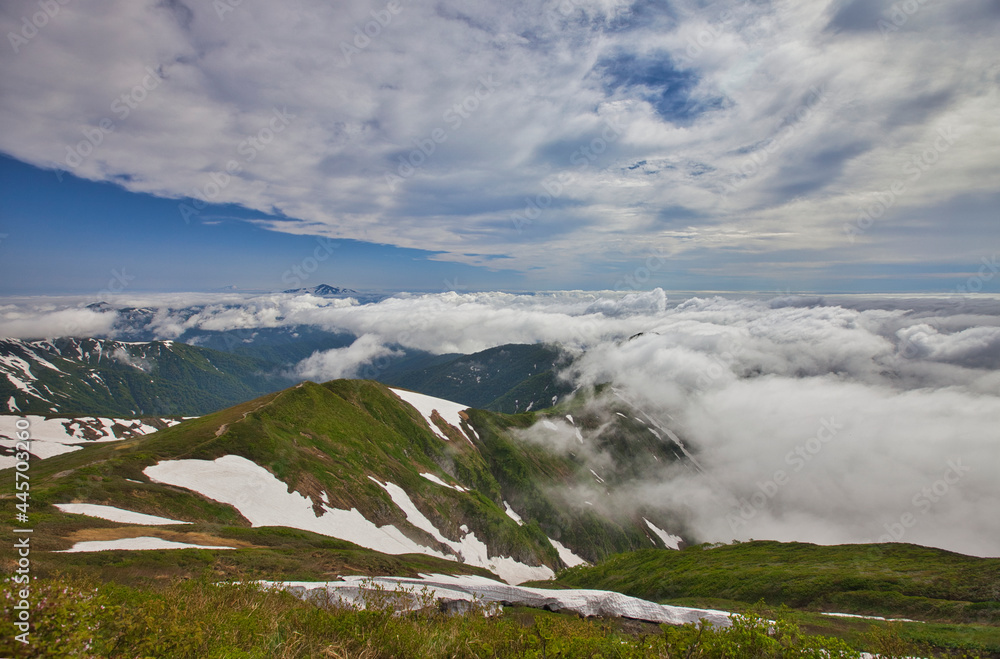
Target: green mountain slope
{"points": [[510, 378], [116, 378], [892, 580], [330, 443]]}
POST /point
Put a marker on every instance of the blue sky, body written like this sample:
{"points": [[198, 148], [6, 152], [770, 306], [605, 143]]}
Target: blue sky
{"points": [[69, 235], [593, 144]]}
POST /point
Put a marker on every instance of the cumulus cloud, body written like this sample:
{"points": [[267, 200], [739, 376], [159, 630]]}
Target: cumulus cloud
{"points": [[612, 129], [343, 362]]}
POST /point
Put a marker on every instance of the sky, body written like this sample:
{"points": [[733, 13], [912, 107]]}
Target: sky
{"points": [[521, 146]]}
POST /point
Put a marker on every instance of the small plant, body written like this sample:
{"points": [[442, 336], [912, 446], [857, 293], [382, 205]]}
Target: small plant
{"points": [[886, 642]]}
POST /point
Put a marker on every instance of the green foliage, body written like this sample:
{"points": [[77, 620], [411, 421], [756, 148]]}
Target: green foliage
{"points": [[198, 618]]}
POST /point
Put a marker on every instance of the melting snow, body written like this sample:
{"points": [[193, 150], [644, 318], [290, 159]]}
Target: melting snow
{"points": [[853, 615], [115, 514], [434, 479], [266, 501], [671, 541], [566, 554], [426, 405], [461, 589], [21, 385], [472, 550], [510, 513], [144, 542], [599, 479], [55, 436]]}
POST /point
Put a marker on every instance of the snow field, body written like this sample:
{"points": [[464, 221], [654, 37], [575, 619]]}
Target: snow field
{"points": [[461, 589]]}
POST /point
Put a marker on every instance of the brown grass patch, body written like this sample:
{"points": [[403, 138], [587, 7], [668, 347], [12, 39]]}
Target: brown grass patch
{"points": [[190, 537]]}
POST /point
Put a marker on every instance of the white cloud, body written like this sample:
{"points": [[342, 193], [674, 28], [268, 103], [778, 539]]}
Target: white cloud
{"points": [[43, 323], [799, 165], [343, 362]]}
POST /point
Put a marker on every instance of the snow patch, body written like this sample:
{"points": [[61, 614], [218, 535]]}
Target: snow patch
{"points": [[472, 550], [510, 513], [461, 589], [854, 615], [426, 405], [145, 542], [671, 541], [566, 554], [265, 501], [434, 479], [55, 436], [115, 514]]}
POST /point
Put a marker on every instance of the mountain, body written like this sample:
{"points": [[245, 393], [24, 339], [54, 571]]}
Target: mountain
{"points": [[281, 347], [390, 471], [119, 378], [205, 370], [323, 290], [510, 378]]}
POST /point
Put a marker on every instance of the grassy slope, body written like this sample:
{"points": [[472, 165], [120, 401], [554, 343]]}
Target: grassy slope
{"points": [[957, 595], [532, 479], [888, 580], [331, 438], [360, 428], [313, 437]]}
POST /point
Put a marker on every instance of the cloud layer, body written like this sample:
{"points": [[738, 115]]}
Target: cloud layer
{"points": [[843, 419], [549, 137]]}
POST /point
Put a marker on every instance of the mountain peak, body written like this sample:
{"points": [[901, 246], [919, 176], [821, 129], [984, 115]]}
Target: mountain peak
{"points": [[322, 290]]}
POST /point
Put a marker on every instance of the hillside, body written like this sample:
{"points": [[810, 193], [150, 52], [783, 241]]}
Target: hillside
{"points": [[890, 580], [350, 460], [118, 378], [510, 378]]}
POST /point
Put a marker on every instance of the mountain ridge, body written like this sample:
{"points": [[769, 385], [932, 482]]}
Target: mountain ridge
{"points": [[461, 486]]}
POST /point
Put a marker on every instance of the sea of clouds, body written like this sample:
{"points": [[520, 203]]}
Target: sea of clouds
{"points": [[829, 420]]}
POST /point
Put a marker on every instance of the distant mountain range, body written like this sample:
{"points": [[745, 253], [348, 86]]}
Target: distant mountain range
{"points": [[323, 290], [215, 369]]}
